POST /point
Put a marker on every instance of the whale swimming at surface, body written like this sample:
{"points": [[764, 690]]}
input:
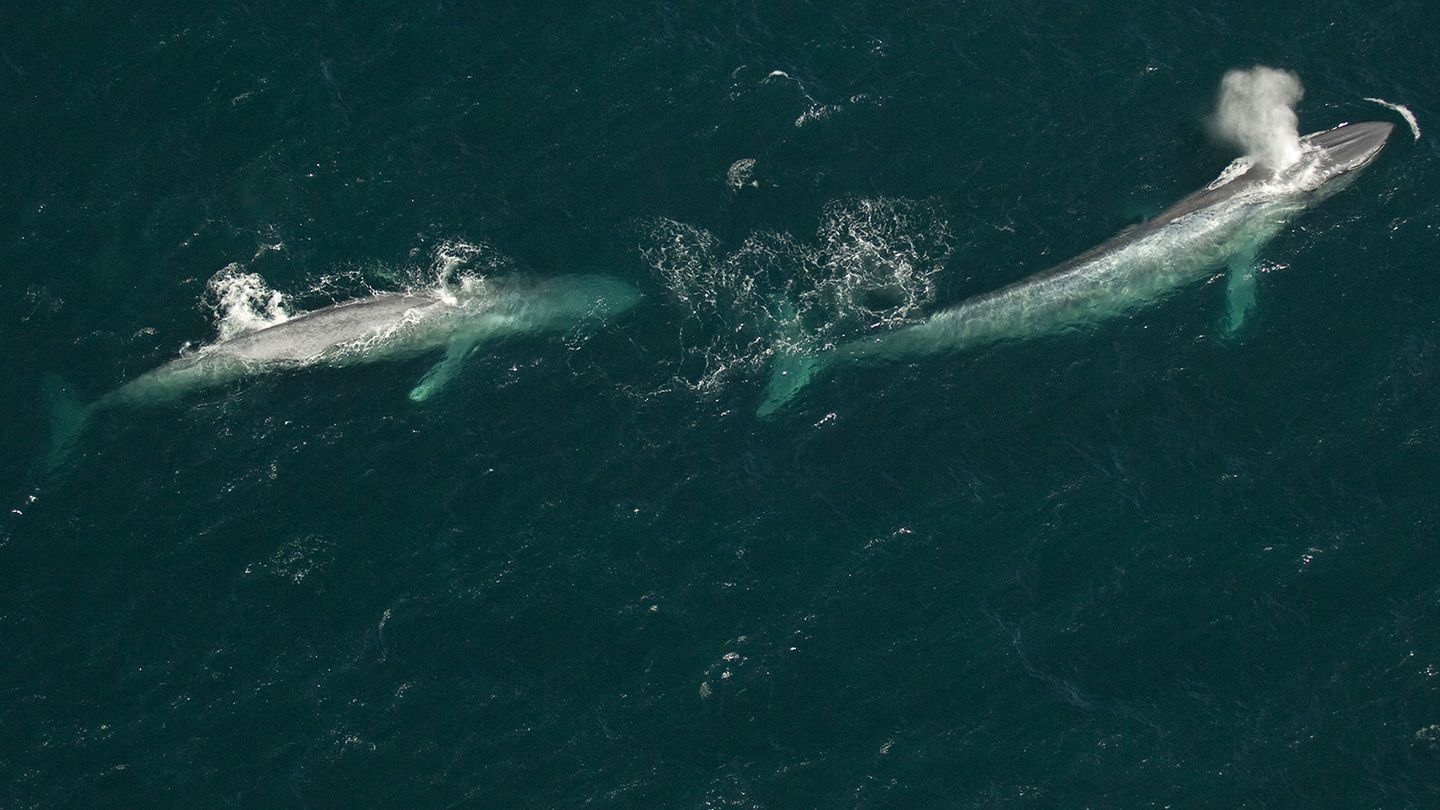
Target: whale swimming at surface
{"points": [[1223, 224], [380, 327]]}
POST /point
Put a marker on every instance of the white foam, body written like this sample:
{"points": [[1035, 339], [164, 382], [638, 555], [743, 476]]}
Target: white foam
{"points": [[816, 112], [740, 173], [242, 302], [455, 269], [1404, 113], [871, 262], [1236, 168], [455, 260]]}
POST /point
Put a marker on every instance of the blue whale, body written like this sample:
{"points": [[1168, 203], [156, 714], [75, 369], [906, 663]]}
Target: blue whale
{"points": [[1223, 224], [384, 326]]}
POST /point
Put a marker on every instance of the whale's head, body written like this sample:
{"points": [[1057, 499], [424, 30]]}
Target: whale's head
{"points": [[1337, 154], [591, 296]]}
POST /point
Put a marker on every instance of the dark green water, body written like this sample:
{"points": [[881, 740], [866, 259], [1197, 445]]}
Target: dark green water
{"points": [[1137, 566]]}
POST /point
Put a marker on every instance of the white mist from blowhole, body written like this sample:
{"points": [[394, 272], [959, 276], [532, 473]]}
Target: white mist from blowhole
{"points": [[1256, 113]]}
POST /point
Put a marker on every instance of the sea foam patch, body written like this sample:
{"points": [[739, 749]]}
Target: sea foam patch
{"points": [[872, 263]]}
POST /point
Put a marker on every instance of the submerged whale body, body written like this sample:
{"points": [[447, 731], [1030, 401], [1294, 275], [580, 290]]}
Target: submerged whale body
{"points": [[1223, 224], [384, 326]]}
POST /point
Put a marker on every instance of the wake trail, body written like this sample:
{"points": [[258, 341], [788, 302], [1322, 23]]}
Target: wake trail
{"points": [[1404, 113]]}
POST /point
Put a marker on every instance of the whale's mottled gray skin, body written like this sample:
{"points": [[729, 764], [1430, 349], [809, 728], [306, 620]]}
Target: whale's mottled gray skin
{"points": [[1223, 223], [383, 326]]}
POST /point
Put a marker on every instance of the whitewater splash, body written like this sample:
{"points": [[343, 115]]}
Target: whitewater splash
{"points": [[459, 263], [242, 302], [1256, 113]]}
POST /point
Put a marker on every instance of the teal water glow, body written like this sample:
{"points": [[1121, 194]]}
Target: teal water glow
{"points": [[1140, 565]]}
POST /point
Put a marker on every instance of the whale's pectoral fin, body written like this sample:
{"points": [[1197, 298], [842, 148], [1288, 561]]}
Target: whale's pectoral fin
{"points": [[444, 371], [1240, 290]]}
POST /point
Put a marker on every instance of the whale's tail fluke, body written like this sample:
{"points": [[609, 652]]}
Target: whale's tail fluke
{"points": [[68, 417], [795, 363], [792, 371]]}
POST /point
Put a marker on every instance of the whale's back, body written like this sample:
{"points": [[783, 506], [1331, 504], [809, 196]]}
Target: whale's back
{"points": [[312, 334]]}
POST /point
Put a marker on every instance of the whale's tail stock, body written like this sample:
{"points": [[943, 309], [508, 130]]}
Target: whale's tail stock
{"points": [[68, 418]]}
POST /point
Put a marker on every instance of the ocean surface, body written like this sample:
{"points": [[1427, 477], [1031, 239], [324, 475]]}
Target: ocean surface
{"points": [[1138, 565]]}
